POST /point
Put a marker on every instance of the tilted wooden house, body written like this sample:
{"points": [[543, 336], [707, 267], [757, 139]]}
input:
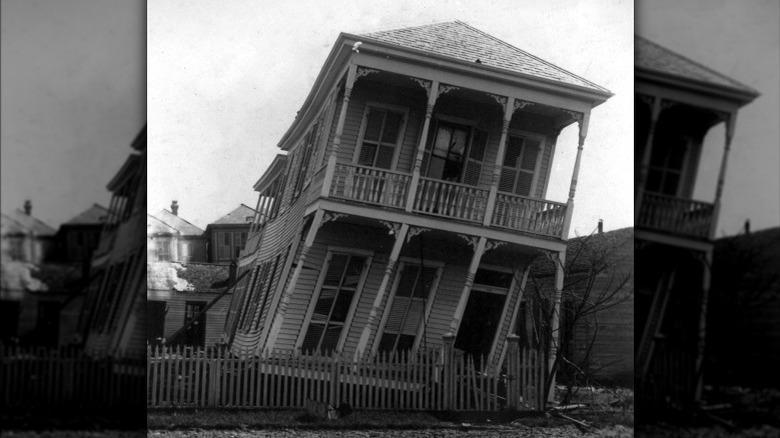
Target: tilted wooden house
{"points": [[677, 102], [113, 319], [412, 197]]}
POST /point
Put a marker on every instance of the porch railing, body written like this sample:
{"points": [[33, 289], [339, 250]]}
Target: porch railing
{"points": [[452, 200], [526, 214], [371, 185], [676, 215]]}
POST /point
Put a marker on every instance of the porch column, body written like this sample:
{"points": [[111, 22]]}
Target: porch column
{"points": [[583, 127], [285, 300], [640, 185], [332, 158], [707, 262], [373, 316], [464, 295], [730, 123], [560, 262], [509, 109], [433, 94]]}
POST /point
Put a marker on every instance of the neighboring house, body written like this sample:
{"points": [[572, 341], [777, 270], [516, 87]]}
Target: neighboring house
{"points": [[227, 235], [26, 238], [677, 102], [113, 319], [79, 236], [600, 265], [177, 293], [414, 187], [743, 342], [173, 239]]}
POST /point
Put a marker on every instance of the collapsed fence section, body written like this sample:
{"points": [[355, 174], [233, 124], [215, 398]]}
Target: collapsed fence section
{"points": [[47, 377], [425, 380]]}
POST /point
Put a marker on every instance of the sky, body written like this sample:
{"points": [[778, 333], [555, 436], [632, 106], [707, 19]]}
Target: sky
{"points": [[72, 98], [225, 81], [740, 39]]}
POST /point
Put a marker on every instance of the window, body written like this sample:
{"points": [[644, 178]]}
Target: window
{"points": [[667, 161], [455, 153], [412, 294], [239, 240], [517, 171], [342, 278], [184, 253], [224, 245], [17, 248], [195, 334], [381, 133], [163, 250]]}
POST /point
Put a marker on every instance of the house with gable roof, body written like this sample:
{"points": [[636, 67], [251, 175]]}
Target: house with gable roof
{"points": [[24, 237], [170, 237], [227, 235], [677, 102], [79, 236], [412, 198]]}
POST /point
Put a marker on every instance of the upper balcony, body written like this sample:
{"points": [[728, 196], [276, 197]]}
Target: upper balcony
{"points": [[675, 215]]}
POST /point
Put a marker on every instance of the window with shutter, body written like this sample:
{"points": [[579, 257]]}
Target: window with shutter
{"points": [[223, 245], [519, 166], [667, 164], [446, 152], [475, 157], [407, 311], [381, 135], [340, 284]]}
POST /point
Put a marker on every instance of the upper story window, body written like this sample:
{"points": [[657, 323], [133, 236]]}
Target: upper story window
{"points": [[382, 130], [520, 165], [667, 165], [455, 152], [230, 244], [163, 250], [334, 301]]}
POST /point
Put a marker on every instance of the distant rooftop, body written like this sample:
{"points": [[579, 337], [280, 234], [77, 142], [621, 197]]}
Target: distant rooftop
{"points": [[18, 221], [460, 41], [653, 57], [236, 217], [94, 215], [182, 226]]}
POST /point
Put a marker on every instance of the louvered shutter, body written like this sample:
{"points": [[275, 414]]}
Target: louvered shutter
{"points": [[390, 133], [514, 148], [476, 157], [525, 177]]}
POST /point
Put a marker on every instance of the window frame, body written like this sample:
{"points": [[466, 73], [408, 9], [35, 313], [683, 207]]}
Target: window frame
{"points": [[402, 262], [537, 165], [683, 172], [401, 133], [369, 256]]}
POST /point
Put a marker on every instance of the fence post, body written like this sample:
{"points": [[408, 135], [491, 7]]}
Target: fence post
{"points": [[512, 370], [213, 378], [448, 369], [334, 380]]}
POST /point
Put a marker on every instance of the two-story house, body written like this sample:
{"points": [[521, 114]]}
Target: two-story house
{"points": [[26, 238], [79, 236], [227, 235], [412, 197], [113, 319], [171, 238], [677, 102]]}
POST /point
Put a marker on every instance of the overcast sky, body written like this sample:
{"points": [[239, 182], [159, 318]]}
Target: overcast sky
{"points": [[741, 40], [225, 81], [72, 96]]}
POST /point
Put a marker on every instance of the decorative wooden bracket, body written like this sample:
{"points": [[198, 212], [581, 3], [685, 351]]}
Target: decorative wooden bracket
{"points": [[393, 227], [493, 244], [413, 231], [444, 89], [330, 216], [500, 99], [520, 104], [472, 241], [423, 83], [574, 115], [364, 71]]}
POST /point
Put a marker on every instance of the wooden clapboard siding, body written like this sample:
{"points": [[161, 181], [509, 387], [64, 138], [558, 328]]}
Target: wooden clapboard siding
{"points": [[175, 303]]}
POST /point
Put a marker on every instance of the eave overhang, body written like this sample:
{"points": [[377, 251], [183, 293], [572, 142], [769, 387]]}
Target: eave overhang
{"points": [[338, 60], [729, 95]]}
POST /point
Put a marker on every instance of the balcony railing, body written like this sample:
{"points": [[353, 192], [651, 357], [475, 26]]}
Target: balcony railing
{"points": [[452, 200], [527, 214], [676, 215], [446, 199], [371, 185]]}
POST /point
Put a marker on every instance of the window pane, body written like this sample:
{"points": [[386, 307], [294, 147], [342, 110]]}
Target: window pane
{"points": [[513, 148], [324, 305], [335, 269], [443, 139], [341, 309], [367, 152], [392, 127], [354, 270], [529, 157], [312, 338], [373, 125], [458, 144]]}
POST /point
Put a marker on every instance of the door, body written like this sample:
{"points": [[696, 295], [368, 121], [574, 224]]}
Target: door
{"points": [[155, 331], [448, 152], [196, 333], [479, 324]]}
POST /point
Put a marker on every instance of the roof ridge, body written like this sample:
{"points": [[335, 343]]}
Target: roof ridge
{"points": [[392, 29], [549, 64], [182, 219], [698, 64], [163, 222]]}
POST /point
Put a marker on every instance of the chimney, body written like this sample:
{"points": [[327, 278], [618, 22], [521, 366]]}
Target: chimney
{"points": [[175, 208], [27, 207], [747, 226], [601, 226]]}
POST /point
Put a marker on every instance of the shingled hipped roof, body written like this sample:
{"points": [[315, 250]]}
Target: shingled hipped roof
{"points": [[177, 223], [236, 217], [94, 215], [20, 222], [460, 41], [652, 57]]}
